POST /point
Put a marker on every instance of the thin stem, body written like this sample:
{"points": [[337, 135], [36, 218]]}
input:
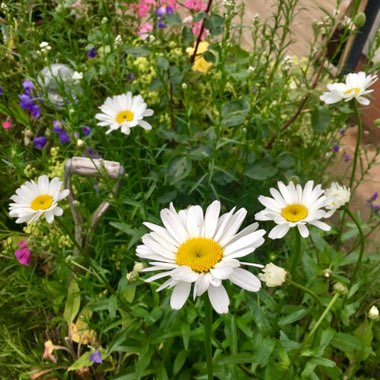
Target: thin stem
{"points": [[306, 290], [358, 141], [361, 242], [208, 331], [201, 31], [66, 231], [296, 252], [312, 332]]}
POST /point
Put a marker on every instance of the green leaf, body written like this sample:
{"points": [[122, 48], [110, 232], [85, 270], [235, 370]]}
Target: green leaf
{"points": [[83, 361], [162, 63], [178, 168], [215, 24], [72, 302], [179, 361], [285, 161], [241, 358], [172, 19], [320, 119], [260, 170], [293, 317], [138, 51], [346, 343], [185, 332], [199, 16]]}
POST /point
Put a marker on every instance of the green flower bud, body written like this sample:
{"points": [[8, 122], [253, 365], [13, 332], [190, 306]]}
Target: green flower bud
{"points": [[359, 20], [377, 123], [341, 288]]}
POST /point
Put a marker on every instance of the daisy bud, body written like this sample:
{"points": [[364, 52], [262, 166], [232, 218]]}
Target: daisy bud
{"points": [[338, 195], [374, 313], [340, 288], [80, 143], [273, 275], [327, 272]]}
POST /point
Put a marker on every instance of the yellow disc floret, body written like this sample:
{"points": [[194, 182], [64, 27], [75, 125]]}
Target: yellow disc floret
{"points": [[42, 202], [294, 212], [124, 116], [355, 90], [200, 254]]}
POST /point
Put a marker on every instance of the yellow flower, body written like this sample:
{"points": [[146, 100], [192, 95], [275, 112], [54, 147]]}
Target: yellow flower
{"points": [[81, 333], [200, 64]]}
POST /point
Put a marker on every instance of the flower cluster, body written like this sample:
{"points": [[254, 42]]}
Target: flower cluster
{"points": [[23, 254], [27, 102]]}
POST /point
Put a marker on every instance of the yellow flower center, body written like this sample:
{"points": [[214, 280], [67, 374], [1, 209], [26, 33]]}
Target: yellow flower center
{"points": [[355, 90], [42, 202], [124, 116], [200, 254], [294, 213]]}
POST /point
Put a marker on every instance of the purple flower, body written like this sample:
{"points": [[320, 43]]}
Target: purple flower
{"points": [[35, 111], [86, 130], [63, 136], [26, 102], [23, 254], [342, 131], [347, 157], [39, 142], [95, 357], [335, 148], [169, 10], [91, 53], [1, 90], [161, 11], [161, 25], [373, 197], [28, 86], [131, 77], [57, 126]]}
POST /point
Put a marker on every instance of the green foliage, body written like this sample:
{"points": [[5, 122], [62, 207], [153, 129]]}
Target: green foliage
{"points": [[220, 134]]}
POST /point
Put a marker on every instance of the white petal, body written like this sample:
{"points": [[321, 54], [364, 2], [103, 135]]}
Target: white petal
{"points": [[49, 215], [184, 274], [219, 299], [279, 231], [233, 226], [245, 280], [321, 225], [194, 223], [303, 230], [211, 219], [180, 294], [201, 284]]}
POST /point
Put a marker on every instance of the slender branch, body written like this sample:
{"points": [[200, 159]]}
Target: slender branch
{"points": [[201, 32]]}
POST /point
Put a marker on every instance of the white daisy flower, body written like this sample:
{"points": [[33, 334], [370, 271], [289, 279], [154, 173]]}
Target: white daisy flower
{"points": [[202, 249], [338, 195], [355, 87], [293, 206], [35, 199], [124, 111]]}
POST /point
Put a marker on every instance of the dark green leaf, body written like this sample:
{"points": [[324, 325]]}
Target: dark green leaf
{"points": [[179, 361], [320, 119], [178, 168], [293, 317]]}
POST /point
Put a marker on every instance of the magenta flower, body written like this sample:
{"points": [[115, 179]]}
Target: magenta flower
{"points": [[23, 254]]}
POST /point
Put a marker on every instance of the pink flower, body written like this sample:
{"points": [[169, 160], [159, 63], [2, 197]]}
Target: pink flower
{"points": [[196, 29], [6, 124], [23, 254], [195, 5], [145, 30]]}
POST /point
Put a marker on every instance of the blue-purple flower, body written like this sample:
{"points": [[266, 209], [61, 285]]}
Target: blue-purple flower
{"points": [[39, 142], [63, 136], [86, 130], [96, 357], [91, 53], [28, 86]]}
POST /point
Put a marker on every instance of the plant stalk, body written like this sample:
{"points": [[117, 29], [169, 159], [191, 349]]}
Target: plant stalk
{"points": [[208, 333], [296, 252]]}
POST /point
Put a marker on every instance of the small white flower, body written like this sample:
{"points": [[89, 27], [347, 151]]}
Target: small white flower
{"points": [[338, 195], [44, 45], [32, 200], [293, 206], [187, 20], [250, 69], [133, 275], [104, 20], [356, 87], [184, 86], [201, 248], [124, 111], [374, 313], [273, 275], [77, 77], [118, 40]]}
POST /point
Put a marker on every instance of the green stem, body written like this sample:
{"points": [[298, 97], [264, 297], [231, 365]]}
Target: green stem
{"points": [[296, 252], [362, 241], [312, 332], [66, 231], [208, 331], [358, 141], [306, 290]]}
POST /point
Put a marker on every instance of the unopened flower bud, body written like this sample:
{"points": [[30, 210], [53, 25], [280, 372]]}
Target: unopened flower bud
{"points": [[359, 20], [81, 143], [341, 288], [374, 313], [327, 272], [377, 123], [273, 275]]}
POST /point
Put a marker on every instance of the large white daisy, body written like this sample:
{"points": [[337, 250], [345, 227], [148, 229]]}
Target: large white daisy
{"points": [[35, 199], [202, 249], [293, 206], [124, 111], [356, 86]]}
